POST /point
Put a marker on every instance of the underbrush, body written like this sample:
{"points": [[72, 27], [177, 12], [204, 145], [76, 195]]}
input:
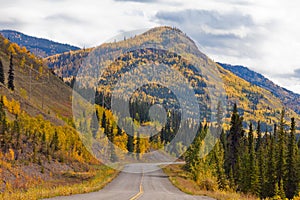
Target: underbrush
{"points": [[90, 182], [206, 187]]}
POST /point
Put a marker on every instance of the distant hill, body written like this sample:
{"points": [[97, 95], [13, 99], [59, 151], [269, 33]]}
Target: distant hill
{"points": [[289, 98], [254, 101], [38, 46]]}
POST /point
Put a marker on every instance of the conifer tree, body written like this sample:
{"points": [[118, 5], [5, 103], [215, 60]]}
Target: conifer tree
{"points": [[292, 179], [281, 149], [95, 124], [130, 146], [252, 170], [236, 132], [260, 156], [11, 75], [43, 144], [259, 137], [271, 181], [103, 121], [138, 146], [2, 77], [219, 157]]}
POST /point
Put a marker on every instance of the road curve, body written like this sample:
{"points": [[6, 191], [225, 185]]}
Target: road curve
{"points": [[143, 181]]}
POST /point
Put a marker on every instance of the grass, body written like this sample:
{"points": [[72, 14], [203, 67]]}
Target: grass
{"points": [[103, 175], [182, 181]]}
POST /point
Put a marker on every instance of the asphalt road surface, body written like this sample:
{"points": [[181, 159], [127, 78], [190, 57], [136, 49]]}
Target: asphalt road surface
{"points": [[140, 181]]}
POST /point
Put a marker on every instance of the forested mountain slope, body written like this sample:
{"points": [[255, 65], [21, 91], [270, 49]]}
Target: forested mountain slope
{"points": [[255, 102], [289, 98], [38, 142]]}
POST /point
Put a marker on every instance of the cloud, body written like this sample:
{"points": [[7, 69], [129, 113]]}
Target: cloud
{"points": [[213, 19], [139, 1], [229, 34], [11, 23], [63, 18], [236, 2], [297, 73]]}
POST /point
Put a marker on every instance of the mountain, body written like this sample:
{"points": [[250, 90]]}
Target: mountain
{"points": [[289, 98], [254, 102], [38, 46], [38, 142]]}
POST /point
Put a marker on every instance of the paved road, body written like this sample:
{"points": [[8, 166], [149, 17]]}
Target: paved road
{"points": [[136, 184]]}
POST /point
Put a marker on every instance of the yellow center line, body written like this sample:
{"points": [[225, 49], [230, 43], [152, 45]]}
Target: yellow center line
{"points": [[141, 189]]}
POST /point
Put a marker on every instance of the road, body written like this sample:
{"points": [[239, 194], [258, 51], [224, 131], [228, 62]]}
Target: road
{"points": [[140, 181]]}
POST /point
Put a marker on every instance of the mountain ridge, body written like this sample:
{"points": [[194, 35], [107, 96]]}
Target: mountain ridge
{"points": [[41, 47], [255, 103], [288, 97]]}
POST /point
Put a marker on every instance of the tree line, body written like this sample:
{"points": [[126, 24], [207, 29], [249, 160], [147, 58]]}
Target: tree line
{"points": [[10, 81], [33, 139], [249, 161]]}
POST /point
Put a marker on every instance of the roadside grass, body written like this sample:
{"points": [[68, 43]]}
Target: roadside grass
{"points": [[90, 183], [181, 180]]}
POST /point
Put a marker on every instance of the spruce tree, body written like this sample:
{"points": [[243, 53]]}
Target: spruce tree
{"points": [[259, 137], [271, 182], [281, 149], [130, 146], [236, 132], [260, 156], [103, 121], [219, 157], [291, 180], [138, 146], [3, 127], [2, 78], [95, 124], [11, 75], [253, 175]]}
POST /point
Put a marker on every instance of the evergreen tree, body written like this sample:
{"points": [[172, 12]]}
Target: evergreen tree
{"points": [[259, 137], [260, 155], [43, 144], [95, 124], [110, 135], [2, 77], [11, 74], [281, 149], [130, 146], [138, 146], [192, 155], [119, 133], [291, 180], [271, 183], [103, 121], [54, 145], [236, 132], [281, 189], [252, 170], [2, 125], [219, 159]]}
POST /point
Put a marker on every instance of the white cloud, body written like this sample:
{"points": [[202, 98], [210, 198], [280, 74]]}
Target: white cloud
{"points": [[263, 35]]}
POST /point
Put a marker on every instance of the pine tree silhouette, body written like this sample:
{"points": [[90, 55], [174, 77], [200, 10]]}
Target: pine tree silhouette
{"points": [[11, 74], [2, 78]]}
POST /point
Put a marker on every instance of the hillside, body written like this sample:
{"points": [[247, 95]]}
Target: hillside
{"points": [[38, 143], [289, 98], [38, 46], [37, 89], [255, 102]]}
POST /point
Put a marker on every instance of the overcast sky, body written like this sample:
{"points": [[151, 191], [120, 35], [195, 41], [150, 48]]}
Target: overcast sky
{"points": [[262, 35]]}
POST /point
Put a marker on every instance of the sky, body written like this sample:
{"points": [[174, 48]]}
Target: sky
{"points": [[262, 35]]}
